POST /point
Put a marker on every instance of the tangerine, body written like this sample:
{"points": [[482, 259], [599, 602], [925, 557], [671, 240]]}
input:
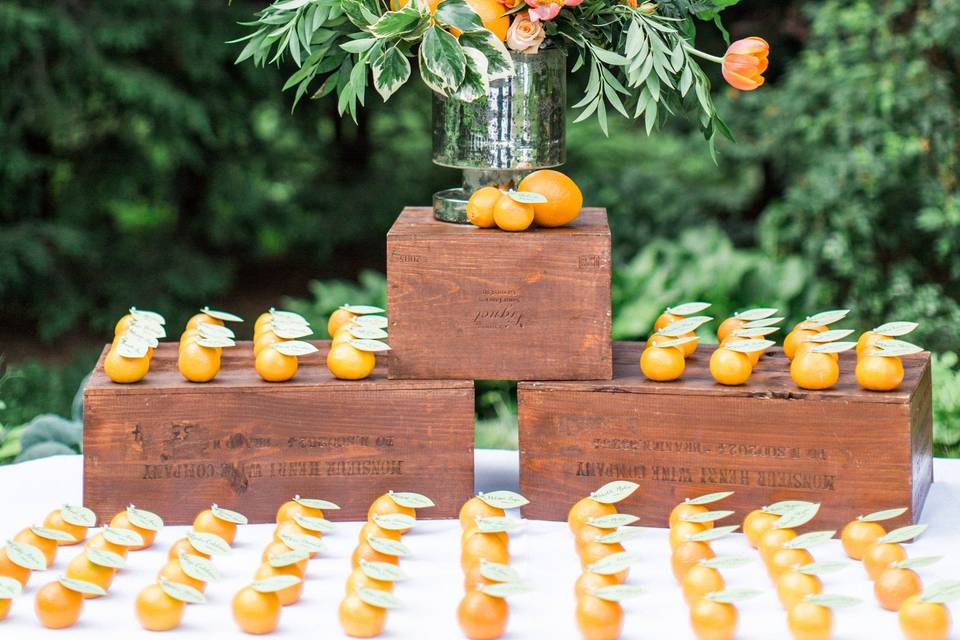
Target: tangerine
{"points": [[586, 509], [730, 367], [773, 540], [358, 579], [756, 524], [793, 586], [198, 318], [125, 370], [275, 549], [156, 610], [664, 320], [360, 619], [806, 347], [662, 364], [475, 508], [500, 535], [687, 555], [589, 581], [857, 535], [198, 364], [365, 552], [511, 215], [46, 546], [286, 596], [713, 620], [868, 340], [685, 510], [785, 559], [122, 521], [99, 542], [814, 371], [290, 527], [256, 612], [337, 319], [474, 578], [699, 581], [480, 206], [292, 508], [879, 373], [481, 616], [172, 571], [80, 568], [57, 607], [564, 199], [586, 534], [274, 366], [385, 505], [881, 555], [809, 621], [183, 545], [794, 339], [483, 546], [346, 362], [754, 356], [921, 620], [10, 569], [895, 585], [5, 605], [599, 619], [207, 522], [682, 531], [372, 529], [728, 326], [54, 520]]}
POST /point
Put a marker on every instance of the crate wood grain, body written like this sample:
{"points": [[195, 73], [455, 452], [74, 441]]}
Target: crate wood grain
{"points": [[469, 303], [175, 447], [855, 451]]}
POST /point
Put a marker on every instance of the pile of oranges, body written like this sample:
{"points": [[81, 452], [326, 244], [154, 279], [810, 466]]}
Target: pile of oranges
{"points": [[358, 332], [599, 529], [488, 578], [135, 337], [277, 345], [545, 197], [202, 343]]}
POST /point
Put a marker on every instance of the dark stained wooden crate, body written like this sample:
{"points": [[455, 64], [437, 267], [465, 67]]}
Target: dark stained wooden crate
{"points": [[175, 447], [855, 451], [469, 303]]}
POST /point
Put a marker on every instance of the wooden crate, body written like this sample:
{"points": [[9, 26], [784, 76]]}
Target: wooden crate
{"points": [[486, 304], [854, 451], [175, 447]]}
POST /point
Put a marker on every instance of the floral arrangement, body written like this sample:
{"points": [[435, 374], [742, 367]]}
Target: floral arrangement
{"points": [[640, 58]]}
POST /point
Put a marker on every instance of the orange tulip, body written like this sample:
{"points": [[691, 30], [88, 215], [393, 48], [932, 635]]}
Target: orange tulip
{"points": [[745, 62]]}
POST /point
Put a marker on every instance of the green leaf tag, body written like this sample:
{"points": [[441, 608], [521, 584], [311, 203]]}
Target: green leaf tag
{"points": [[9, 588], [314, 524], [726, 562], [303, 542], [82, 586], [208, 330], [223, 316], [394, 521], [713, 534], [379, 598], [614, 563], [131, 346], [832, 601], [233, 517], [411, 500], [686, 325], [275, 583], [917, 563], [366, 333], [199, 568], [786, 506], [798, 516], [808, 540], [26, 556], [315, 503], [208, 543], [383, 571], [288, 558], [676, 342], [150, 316], [617, 592], [614, 492], [503, 499], [731, 596], [755, 314], [754, 332], [527, 197], [289, 331], [215, 342], [294, 348], [709, 498], [495, 524], [105, 558], [362, 309], [144, 519], [707, 516], [886, 514], [498, 572], [621, 534], [612, 521], [894, 348], [379, 322], [821, 568], [52, 534], [766, 322], [374, 346], [688, 308], [144, 326], [831, 335], [749, 346], [122, 537], [895, 329], [287, 316], [182, 592], [78, 516], [826, 317], [903, 534], [504, 589], [388, 547], [942, 592]]}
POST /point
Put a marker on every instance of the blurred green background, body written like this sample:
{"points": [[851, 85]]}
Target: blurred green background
{"points": [[139, 166]]}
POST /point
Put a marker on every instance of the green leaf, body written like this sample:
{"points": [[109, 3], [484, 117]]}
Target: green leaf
{"points": [[395, 24], [499, 61], [476, 82], [390, 71], [353, 46], [443, 64], [458, 14]]}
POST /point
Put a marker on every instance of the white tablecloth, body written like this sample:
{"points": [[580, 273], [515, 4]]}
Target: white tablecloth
{"points": [[542, 552]]}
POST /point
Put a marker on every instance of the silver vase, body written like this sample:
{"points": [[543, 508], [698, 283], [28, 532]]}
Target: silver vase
{"points": [[518, 128]]}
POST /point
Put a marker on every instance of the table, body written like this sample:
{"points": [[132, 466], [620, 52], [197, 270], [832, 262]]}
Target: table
{"points": [[542, 551]]}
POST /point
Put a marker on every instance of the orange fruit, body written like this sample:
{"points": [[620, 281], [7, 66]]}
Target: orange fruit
{"points": [[689, 348], [754, 356], [274, 366], [364, 551], [687, 555], [699, 581], [684, 510], [482, 617], [45, 545], [857, 535], [292, 508], [483, 546], [784, 560], [585, 509], [881, 555], [358, 579], [480, 206], [5, 605], [359, 619], [121, 521], [279, 548], [80, 568], [207, 522], [123, 324], [564, 199], [713, 620], [476, 508], [256, 612], [346, 362], [793, 586], [9, 569], [57, 607], [923, 620], [592, 552], [728, 326], [372, 529], [337, 319], [879, 373], [196, 319], [511, 215], [266, 339], [473, 578], [290, 594], [773, 540], [588, 581], [491, 13], [794, 339], [682, 531], [183, 546], [125, 370], [198, 364], [664, 320], [662, 364], [894, 586], [809, 621], [587, 534], [756, 524], [54, 520], [805, 347], [157, 611], [173, 572], [500, 535], [867, 340], [599, 619], [289, 527], [99, 542], [814, 371], [730, 367], [385, 505]]}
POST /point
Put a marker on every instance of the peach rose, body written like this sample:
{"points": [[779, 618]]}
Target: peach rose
{"points": [[525, 35]]}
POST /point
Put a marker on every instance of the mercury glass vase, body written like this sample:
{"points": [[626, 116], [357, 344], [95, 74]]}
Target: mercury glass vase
{"points": [[519, 127]]}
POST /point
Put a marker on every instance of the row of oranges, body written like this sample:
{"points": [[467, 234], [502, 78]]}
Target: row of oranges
{"points": [[135, 337]]}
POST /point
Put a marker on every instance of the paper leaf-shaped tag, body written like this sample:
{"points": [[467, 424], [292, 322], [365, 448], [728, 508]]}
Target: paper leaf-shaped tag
{"points": [[833, 601], [917, 563], [291, 331], [52, 534], [141, 333], [830, 336], [208, 543], [612, 521], [895, 348], [754, 332], [9, 588], [215, 342], [209, 330], [145, 326], [496, 524], [182, 592], [676, 342], [379, 598], [614, 492], [821, 568], [621, 534], [895, 329], [362, 309], [498, 572], [78, 516], [315, 503], [503, 499], [726, 562], [223, 316], [314, 524], [798, 516], [388, 547], [766, 322], [374, 346], [886, 514], [233, 517], [150, 316], [411, 500], [303, 542], [144, 519], [903, 533], [707, 516], [275, 583], [614, 563], [130, 346], [755, 314], [366, 333], [122, 537], [733, 595], [826, 317], [504, 589], [749, 346], [199, 568], [26, 556], [295, 348], [709, 498], [783, 507], [714, 534], [688, 308], [618, 592], [383, 571], [808, 540], [526, 197], [942, 592], [288, 558], [379, 322], [105, 558], [394, 521], [287, 316], [686, 325], [82, 586]]}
